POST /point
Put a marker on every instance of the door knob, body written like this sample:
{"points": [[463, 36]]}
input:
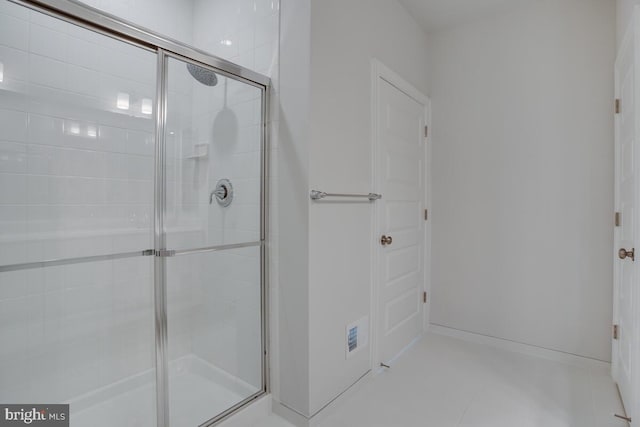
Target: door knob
{"points": [[623, 253], [386, 240]]}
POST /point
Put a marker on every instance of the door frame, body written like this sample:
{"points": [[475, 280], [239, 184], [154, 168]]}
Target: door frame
{"points": [[632, 36], [379, 71]]}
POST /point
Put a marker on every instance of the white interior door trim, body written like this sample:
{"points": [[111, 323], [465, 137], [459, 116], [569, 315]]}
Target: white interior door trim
{"points": [[380, 71], [635, 380], [630, 42]]}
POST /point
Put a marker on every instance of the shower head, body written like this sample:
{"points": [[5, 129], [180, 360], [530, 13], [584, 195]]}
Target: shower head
{"points": [[203, 75]]}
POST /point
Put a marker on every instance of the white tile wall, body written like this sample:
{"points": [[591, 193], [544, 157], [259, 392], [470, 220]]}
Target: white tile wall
{"points": [[13, 32], [225, 325], [169, 17], [231, 140], [242, 31], [64, 145], [215, 299], [227, 328], [73, 329], [75, 180]]}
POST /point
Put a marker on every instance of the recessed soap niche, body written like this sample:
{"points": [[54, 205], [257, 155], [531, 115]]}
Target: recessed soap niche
{"points": [[200, 151]]}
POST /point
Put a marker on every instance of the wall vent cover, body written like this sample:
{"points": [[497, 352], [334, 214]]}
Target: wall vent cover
{"points": [[352, 339], [357, 336]]}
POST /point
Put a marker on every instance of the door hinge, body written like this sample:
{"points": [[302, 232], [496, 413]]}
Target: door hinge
{"points": [[616, 332], [617, 106], [426, 214], [424, 297], [618, 220], [426, 131]]}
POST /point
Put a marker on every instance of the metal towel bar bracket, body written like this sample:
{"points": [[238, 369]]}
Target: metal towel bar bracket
{"points": [[319, 195]]}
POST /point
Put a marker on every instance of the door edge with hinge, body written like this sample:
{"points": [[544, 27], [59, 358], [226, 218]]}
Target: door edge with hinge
{"points": [[381, 72]]}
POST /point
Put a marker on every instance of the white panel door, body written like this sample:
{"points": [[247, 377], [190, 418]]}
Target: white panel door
{"points": [[625, 346], [401, 172]]}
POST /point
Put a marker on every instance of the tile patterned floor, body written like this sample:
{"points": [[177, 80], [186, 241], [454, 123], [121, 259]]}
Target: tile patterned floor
{"points": [[447, 382]]}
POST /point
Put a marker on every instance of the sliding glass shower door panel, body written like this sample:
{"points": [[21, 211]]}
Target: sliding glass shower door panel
{"points": [[81, 334], [214, 333], [76, 141], [213, 231], [213, 171], [76, 213]]}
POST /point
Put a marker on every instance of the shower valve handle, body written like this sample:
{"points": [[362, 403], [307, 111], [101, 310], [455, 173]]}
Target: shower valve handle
{"points": [[221, 193]]}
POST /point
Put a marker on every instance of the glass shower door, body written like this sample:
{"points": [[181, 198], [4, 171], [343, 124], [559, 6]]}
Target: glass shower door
{"points": [[76, 215], [131, 225], [212, 225]]}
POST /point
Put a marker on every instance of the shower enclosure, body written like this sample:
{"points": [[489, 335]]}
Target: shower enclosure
{"points": [[132, 222]]}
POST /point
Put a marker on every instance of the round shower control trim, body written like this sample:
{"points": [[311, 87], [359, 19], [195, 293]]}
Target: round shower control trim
{"points": [[223, 193]]}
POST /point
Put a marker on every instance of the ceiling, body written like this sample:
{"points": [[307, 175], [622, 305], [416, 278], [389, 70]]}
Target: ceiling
{"points": [[434, 15]]}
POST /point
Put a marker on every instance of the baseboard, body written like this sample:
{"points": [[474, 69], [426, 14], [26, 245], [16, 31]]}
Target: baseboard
{"points": [[406, 349], [517, 347], [330, 408], [289, 414]]}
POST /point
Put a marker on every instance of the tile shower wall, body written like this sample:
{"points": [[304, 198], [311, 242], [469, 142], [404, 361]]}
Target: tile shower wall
{"points": [[232, 339], [212, 305], [76, 179], [76, 168], [241, 31], [69, 331], [170, 18], [225, 328], [245, 32], [214, 301]]}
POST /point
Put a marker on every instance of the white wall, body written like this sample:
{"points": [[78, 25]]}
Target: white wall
{"points": [[325, 143], [345, 38], [523, 176], [291, 292], [623, 16]]}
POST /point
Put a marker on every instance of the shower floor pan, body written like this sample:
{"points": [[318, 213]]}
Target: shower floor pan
{"points": [[198, 392]]}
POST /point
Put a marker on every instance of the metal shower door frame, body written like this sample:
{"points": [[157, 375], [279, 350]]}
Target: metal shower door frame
{"points": [[165, 48], [162, 252]]}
